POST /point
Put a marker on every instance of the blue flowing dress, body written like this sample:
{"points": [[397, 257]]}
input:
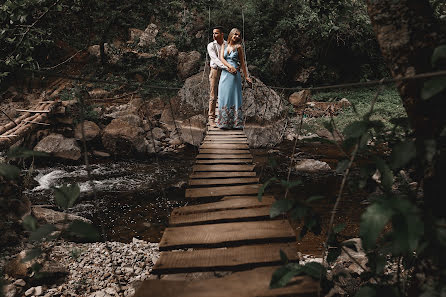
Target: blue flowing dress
{"points": [[230, 114]]}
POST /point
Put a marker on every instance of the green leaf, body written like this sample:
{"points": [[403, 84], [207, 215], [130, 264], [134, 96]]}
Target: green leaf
{"points": [[314, 198], [84, 230], [279, 207], [65, 196], [355, 129], [366, 292], [373, 221], [42, 232], [342, 166], [433, 87], [20, 152], [283, 275], [9, 171], [386, 174], [438, 55], [32, 254], [283, 257], [339, 228], [30, 223], [314, 269], [263, 187], [403, 153], [299, 211]]}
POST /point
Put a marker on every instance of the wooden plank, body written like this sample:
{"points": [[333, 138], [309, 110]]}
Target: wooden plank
{"points": [[219, 156], [225, 142], [222, 151], [223, 181], [222, 191], [222, 174], [224, 259], [225, 137], [224, 146], [251, 283], [225, 161], [226, 234], [223, 216], [217, 167], [33, 111], [240, 202], [225, 133]]}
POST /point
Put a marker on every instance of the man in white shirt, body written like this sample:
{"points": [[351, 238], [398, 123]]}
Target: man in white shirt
{"points": [[215, 71]]}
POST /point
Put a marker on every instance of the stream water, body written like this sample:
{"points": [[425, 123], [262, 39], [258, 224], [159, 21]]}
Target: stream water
{"points": [[135, 197]]}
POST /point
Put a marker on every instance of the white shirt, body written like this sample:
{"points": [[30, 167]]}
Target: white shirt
{"points": [[214, 51]]}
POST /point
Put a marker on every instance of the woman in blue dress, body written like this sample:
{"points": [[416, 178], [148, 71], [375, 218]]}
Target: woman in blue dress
{"points": [[230, 114]]}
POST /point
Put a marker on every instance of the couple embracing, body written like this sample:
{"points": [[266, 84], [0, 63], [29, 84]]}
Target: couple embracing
{"points": [[227, 58]]}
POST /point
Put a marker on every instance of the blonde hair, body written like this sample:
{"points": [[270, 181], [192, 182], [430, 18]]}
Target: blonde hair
{"points": [[232, 34]]}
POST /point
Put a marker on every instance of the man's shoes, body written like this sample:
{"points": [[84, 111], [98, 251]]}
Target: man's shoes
{"points": [[212, 123]]}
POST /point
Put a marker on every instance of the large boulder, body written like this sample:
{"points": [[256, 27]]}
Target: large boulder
{"points": [[300, 98], [122, 138], [263, 108], [59, 146], [91, 131], [188, 63]]}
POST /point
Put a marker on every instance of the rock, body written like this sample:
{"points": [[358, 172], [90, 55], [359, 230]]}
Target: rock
{"points": [[120, 137], [175, 141], [101, 154], [99, 93], [154, 107], [131, 119], [168, 52], [300, 98], [30, 291], [16, 267], [355, 250], [91, 131], [188, 63], [20, 283], [157, 133], [324, 133], [311, 165], [59, 146], [57, 218], [192, 129], [148, 36], [344, 103], [38, 291], [9, 291], [135, 34], [94, 50], [263, 108]]}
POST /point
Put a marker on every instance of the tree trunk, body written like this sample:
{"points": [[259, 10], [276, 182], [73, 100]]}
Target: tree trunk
{"points": [[407, 33]]}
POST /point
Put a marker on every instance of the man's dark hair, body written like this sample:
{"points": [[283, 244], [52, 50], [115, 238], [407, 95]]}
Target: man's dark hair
{"points": [[218, 28]]}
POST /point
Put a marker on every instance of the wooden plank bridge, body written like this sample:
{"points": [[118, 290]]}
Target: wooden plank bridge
{"points": [[232, 234]]}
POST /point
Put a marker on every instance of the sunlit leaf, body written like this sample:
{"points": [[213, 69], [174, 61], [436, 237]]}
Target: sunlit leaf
{"points": [[84, 230], [314, 269], [373, 221], [66, 195], [433, 87], [9, 171], [279, 207]]}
